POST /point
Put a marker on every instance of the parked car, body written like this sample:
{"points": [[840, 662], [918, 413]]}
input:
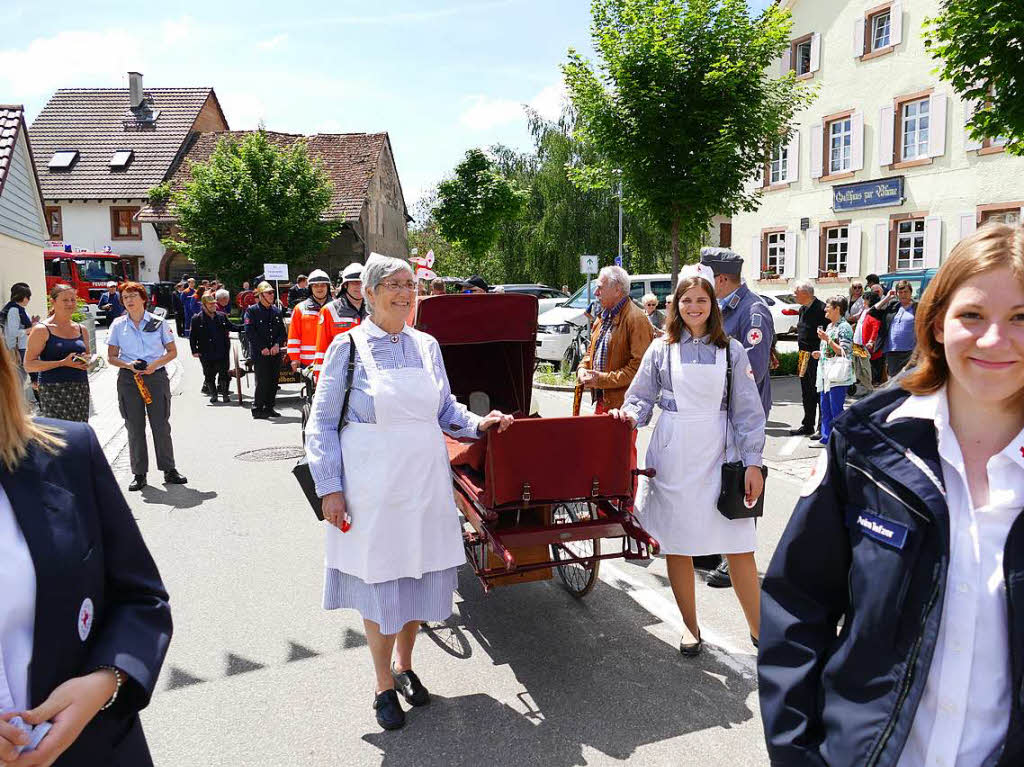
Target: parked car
{"points": [[785, 311], [555, 327], [918, 279], [547, 297]]}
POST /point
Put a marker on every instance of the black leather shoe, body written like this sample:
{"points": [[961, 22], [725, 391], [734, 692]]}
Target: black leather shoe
{"points": [[205, 389], [816, 435], [799, 432], [172, 477], [273, 413], [411, 687], [226, 396], [260, 414], [719, 577], [138, 483], [389, 713], [692, 649], [213, 400]]}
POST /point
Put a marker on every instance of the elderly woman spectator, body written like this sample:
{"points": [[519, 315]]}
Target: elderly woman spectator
{"points": [[84, 619], [393, 546], [654, 314], [223, 300], [58, 350], [437, 287], [856, 301], [834, 356]]}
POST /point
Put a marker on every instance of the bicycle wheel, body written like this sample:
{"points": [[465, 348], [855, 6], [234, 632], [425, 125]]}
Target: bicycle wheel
{"points": [[577, 577]]}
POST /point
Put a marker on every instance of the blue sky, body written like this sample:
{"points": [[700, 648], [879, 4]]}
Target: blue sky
{"points": [[440, 76]]}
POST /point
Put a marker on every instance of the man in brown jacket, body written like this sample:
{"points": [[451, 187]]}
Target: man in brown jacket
{"points": [[618, 340]]}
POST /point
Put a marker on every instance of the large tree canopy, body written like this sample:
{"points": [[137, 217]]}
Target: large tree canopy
{"points": [[980, 47], [250, 204], [681, 104]]}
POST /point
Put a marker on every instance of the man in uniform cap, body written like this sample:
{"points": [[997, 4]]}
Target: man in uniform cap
{"points": [[746, 318]]}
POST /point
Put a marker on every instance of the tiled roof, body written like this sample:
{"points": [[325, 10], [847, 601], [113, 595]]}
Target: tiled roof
{"points": [[12, 120], [350, 160], [97, 122]]}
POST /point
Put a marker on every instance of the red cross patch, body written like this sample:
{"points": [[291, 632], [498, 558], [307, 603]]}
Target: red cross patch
{"points": [[755, 336], [85, 618]]}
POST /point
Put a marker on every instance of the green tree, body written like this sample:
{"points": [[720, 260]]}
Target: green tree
{"points": [[978, 46], [250, 204], [682, 105], [472, 206]]}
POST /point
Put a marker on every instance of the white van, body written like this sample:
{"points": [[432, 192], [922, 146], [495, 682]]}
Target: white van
{"points": [[555, 327]]}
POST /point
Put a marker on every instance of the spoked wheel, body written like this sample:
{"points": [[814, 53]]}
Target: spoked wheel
{"points": [[572, 358], [237, 373], [449, 637], [578, 578], [307, 404]]}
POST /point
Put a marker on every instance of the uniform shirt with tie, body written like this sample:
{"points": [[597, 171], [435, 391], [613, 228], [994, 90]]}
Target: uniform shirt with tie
{"points": [[965, 709], [146, 340], [17, 609]]}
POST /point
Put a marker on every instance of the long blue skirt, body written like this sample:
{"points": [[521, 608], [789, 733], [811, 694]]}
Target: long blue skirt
{"points": [[392, 604]]}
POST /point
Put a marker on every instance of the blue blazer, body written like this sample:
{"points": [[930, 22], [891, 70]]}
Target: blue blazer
{"points": [[85, 545]]}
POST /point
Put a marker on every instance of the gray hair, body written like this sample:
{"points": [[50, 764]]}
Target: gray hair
{"points": [[617, 275], [378, 268], [222, 293], [804, 286], [648, 297]]}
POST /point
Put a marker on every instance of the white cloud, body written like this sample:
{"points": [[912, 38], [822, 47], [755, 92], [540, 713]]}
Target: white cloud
{"points": [[273, 43], [486, 113]]}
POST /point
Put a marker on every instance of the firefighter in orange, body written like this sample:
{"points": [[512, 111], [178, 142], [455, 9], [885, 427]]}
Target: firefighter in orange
{"points": [[341, 314], [302, 332]]}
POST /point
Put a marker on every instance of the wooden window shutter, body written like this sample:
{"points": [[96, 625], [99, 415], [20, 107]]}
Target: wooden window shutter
{"points": [[896, 23], [881, 248], [789, 271], [852, 252], [886, 135], [937, 125], [968, 224], [859, 25], [793, 159], [816, 52], [817, 139], [932, 242], [813, 252], [787, 61], [758, 254], [857, 141]]}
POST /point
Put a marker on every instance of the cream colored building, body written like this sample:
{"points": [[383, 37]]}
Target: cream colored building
{"points": [[880, 175], [22, 226]]}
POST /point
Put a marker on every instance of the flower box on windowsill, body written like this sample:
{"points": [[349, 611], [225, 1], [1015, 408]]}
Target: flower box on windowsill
{"points": [[772, 277], [828, 276]]}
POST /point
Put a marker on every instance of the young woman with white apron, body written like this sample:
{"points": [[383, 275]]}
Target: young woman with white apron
{"points": [[394, 539], [685, 373]]}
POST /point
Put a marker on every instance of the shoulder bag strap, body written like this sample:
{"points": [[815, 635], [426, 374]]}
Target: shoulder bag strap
{"points": [[349, 374], [728, 391]]}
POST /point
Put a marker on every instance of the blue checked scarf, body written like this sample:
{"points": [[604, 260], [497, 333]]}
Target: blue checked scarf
{"points": [[600, 361]]}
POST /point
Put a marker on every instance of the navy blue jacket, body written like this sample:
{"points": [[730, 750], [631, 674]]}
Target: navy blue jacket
{"points": [[868, 546], [209, 336], [264, 328], [85, 545], [746, 318]]}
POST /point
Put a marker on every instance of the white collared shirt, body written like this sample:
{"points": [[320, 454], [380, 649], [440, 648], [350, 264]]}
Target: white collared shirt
{"points": [[965, 709], [17, 609]]}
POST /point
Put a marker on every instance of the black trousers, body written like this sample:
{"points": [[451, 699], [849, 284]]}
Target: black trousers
{"points": [[135, 411], [266, 369], [809, 394], [896, 361], [212, 370]]}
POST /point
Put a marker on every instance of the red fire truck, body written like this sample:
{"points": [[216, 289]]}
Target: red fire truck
{"points": [[87, 272]]}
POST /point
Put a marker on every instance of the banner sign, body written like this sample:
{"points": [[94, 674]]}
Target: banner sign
{"points": [[868, 194], [275, 272]]}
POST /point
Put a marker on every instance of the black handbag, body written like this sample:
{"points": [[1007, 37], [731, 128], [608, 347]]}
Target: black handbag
{"points": [[301, 470], [734, 484]]}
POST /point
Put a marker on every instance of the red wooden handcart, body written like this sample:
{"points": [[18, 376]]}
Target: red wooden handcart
{"points": [[548, 494]]}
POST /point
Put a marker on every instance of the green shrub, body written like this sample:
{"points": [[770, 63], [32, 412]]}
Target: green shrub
{"points": [[787, 364]]}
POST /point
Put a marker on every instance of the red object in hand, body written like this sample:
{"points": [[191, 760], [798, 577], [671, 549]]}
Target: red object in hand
{"points": [[345, 526]]}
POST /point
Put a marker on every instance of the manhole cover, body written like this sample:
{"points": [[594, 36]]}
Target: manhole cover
{"points": [[271, 454]]}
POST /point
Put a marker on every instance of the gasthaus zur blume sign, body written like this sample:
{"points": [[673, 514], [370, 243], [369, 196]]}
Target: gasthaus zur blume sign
{"points": [[879, 193]]}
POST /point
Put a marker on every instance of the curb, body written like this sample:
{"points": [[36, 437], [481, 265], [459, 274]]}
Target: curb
{"points": [[553, 387]]}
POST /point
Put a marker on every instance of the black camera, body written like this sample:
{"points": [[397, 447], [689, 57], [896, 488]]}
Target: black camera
{"points": [[140, 364]]}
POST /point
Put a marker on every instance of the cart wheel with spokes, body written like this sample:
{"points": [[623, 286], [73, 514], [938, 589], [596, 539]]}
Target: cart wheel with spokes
{"points": [[578, 578], [238, 372]]}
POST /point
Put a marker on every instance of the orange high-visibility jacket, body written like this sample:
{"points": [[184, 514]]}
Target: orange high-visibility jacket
{"points": [[337, 316], [302, 332]]}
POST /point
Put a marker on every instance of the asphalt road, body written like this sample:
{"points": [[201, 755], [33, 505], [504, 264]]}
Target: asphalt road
{"points": [[259, 674]]}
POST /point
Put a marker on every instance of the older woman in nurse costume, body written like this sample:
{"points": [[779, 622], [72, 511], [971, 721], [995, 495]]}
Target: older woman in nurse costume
{"points": [[395, 540], [684, 372]]}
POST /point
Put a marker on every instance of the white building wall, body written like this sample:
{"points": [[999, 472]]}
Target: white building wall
{"points": [[87, 225], [951, 187]]}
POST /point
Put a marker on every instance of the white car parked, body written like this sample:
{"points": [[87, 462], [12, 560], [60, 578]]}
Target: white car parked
{"points": [[785, 310]]}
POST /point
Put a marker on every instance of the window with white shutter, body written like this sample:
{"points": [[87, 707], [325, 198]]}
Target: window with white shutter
{"points": [[881, 248], [853, 252], [937, 137], [857, 143], [816, 150], [878, 31], [932, 242], [968, 224]]}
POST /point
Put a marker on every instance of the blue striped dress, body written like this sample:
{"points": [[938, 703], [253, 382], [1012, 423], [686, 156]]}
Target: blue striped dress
{"points": [[390, 604]]}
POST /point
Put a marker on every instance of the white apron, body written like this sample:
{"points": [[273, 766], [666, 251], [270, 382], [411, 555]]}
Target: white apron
{"points": [[679, 506], [398, 486]]}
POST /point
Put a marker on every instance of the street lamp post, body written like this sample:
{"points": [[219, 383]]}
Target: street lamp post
{"points": [[620, 218]]}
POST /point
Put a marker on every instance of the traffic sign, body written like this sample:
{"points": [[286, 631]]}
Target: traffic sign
{"points": [[618, 260], [589, 264]]}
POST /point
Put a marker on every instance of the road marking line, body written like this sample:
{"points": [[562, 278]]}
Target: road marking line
{"points": [[740, 661], [791, 445]]}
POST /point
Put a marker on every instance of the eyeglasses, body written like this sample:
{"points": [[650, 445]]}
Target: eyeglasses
{"points": [[391, 285]]}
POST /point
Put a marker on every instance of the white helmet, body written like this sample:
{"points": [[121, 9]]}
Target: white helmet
{"points": [[318, 275], [352, 273]]}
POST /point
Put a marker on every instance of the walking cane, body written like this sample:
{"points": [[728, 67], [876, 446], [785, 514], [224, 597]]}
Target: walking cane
{"points": [[577, 399]]}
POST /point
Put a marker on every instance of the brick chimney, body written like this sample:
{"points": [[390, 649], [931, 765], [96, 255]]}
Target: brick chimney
{"points": [[135, 89]]}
